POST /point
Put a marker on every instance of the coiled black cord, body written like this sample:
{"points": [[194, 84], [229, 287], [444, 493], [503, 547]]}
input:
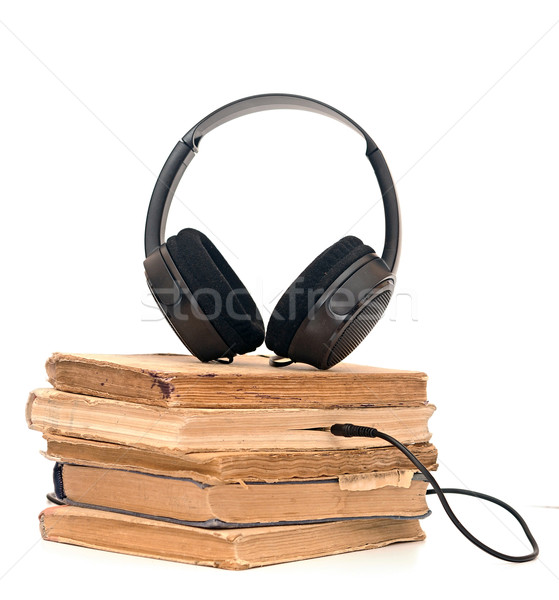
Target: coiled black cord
{"points": [[349, 430]]}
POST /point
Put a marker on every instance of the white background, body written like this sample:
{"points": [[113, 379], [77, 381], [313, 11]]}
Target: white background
{"points": [[462, 99]]}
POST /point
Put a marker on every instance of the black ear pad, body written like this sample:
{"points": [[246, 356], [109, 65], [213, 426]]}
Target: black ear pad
{"points": [[294, 305], [219, 291]]}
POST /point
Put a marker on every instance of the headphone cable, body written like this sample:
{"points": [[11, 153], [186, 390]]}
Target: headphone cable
{"points": [[349, 430]]}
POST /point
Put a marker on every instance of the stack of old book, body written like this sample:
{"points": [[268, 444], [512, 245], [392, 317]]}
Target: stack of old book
{"points": [[212, 464]]}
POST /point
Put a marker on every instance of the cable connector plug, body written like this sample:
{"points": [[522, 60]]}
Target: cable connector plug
{"points": [[349, 430]]}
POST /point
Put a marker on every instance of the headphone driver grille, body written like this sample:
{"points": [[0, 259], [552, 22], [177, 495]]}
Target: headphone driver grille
{"points": [[359, 328]]}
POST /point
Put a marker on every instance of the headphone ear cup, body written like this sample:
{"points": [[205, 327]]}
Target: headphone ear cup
{"points": [[220, 293], [299, 298]]}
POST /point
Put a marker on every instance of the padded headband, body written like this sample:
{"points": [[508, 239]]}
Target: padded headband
{"points": [[185, 150]]}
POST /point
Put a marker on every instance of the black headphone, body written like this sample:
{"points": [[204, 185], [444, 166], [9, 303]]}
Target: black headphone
{"points": [[324, 314]]}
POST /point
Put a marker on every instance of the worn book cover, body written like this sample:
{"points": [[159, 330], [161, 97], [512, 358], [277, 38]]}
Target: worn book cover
{"points": [[249, 382], [388, 494], [182, 430], [224, 548], [232, 467]]}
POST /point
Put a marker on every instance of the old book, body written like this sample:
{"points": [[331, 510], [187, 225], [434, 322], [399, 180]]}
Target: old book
{"points": [[226, 548], [230, 467], [183, 381], [383, 494], [182, 430]]}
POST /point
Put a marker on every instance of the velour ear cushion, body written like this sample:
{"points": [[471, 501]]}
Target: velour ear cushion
{"points": [[219, 291], [301, 295]]}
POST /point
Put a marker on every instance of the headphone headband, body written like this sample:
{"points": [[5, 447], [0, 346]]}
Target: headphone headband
{"points": [[185, 150], [262, 102]]}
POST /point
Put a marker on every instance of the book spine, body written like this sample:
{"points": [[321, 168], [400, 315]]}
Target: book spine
{"points": [[58, 481]]}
